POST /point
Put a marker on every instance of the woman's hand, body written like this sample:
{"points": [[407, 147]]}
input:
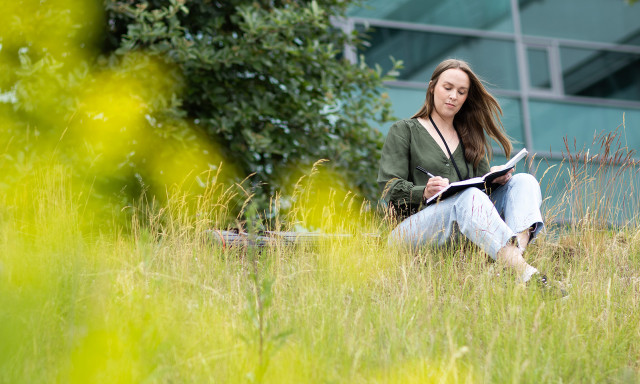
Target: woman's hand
{"points": [[434, 185], [502, 179]]}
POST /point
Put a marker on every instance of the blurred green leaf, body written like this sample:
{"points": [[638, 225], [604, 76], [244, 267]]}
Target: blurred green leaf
{"points": [[261, 79]]}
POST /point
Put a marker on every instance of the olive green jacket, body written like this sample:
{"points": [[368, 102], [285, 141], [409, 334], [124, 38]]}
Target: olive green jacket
{"points": [[408, 144]]}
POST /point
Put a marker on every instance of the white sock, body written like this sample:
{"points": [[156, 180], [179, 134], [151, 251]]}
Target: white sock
{"points": [[528, 272]]}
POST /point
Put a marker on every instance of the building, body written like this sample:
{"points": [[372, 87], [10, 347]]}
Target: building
{"points": [[560, 68]]}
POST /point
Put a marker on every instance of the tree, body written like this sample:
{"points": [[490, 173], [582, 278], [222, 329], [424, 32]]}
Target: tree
{"points": [[266, 81]]}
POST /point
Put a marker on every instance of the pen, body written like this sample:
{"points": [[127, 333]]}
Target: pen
{"points": [[419, 168]]}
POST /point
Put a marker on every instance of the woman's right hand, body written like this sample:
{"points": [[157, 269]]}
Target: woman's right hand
{"points": [[434, 185]]}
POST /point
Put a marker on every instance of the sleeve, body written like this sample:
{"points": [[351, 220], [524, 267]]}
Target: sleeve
{"points": [[394, 170], [483, 167]]}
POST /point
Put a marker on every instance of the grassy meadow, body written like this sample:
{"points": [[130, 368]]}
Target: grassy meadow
{"points": [[85, 298], [96, 289]]}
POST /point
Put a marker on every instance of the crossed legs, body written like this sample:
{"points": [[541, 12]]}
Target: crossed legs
{"points": [[501, 225]]}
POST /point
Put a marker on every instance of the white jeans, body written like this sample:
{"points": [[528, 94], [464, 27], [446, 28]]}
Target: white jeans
{"points": [[488, 221]]}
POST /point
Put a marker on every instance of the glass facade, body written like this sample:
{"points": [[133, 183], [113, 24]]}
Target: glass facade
{"points": [[421, 51], [494, 15], [563, 70], [601, 73], [606, 21]]}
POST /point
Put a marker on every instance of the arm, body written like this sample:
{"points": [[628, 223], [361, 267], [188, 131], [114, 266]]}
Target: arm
{"points": [[394, 173], [396, 178]]}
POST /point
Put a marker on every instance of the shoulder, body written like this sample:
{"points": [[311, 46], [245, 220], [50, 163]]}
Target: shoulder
{"points": [[403, 127]]}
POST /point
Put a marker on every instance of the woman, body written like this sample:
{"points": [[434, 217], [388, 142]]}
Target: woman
{"points": [[449, 137]]}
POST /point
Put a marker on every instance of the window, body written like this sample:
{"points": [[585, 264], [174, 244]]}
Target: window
{"points": [[493, 59]]}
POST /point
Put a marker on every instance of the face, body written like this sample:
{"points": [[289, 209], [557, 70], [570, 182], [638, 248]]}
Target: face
{"points": [[450, 92]]}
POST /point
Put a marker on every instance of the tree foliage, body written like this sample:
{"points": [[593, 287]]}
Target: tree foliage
{"points": [[136, 96], [266, 81]]}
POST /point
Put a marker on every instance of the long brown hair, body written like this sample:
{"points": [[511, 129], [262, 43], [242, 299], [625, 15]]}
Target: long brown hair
{"points": [[479, 114]]}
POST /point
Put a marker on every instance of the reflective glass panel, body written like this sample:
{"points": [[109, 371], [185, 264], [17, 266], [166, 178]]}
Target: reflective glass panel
{"points": [[588, 20], [405, 101], [603, 74], [487, 15], [492, 60], [551, 122], [512, 121], [539, 76]]}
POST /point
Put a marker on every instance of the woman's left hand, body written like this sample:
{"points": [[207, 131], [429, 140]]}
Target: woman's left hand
{"points": [[502, 179]]}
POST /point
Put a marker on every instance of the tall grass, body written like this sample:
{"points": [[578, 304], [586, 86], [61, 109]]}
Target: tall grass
{"points": [[158, 301], [597, 185]]}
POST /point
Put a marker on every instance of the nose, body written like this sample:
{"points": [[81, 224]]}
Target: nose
{"points": [[453, 94]]}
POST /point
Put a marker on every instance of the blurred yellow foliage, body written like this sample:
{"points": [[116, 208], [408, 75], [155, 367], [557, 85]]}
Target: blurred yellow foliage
{"points": [[104, 357], [322, 202], [62, 28], [113, 117], [419, 371]]}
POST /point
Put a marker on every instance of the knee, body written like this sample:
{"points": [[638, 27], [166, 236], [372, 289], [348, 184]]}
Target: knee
{"points": [[472, 194], [524, 184], [524, 180], [472, 198]]}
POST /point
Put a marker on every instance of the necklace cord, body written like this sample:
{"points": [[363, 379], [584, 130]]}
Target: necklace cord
{"points": [[449, 151]]}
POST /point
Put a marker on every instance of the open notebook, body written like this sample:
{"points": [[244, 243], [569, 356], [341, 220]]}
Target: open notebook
{"points": [[481, 182]]}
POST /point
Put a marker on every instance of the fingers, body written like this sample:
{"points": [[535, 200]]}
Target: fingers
{"points": [[435, 185], [504, 179], [437, 182], [507, 177]]}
